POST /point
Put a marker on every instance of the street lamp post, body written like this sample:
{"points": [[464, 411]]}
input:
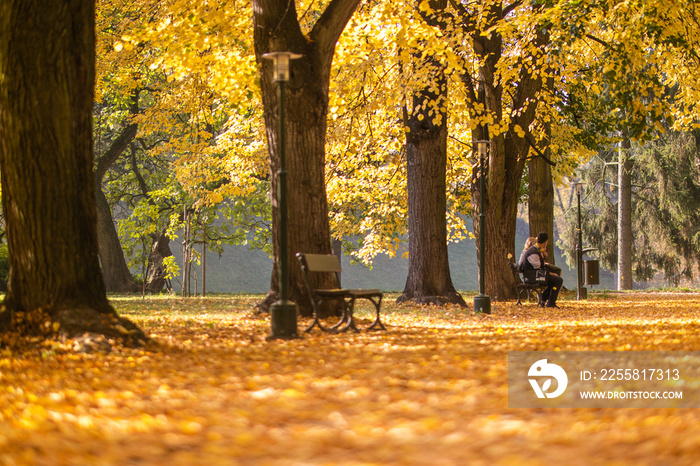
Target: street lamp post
{"points": [[283, 313], [482, 302], [580, 292]]}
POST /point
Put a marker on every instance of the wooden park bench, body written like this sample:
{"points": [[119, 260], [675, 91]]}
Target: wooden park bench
{"points": [[330, 263], [523, 287]]}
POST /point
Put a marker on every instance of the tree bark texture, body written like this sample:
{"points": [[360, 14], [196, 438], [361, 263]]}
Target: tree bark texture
{"points": [[160, 249], [116, 273], [624, 218], [541, 184], [47, 64], [276, 28], [503, 178], [508, 154], [541, 201], [429, 280]]}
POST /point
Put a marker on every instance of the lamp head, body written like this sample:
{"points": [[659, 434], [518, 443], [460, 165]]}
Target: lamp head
{"points": [[280, 63], [482, 148]]}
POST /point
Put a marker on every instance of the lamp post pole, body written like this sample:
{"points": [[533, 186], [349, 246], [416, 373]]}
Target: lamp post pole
{"points": [[283, 313], [482, 302], [579, 246]]}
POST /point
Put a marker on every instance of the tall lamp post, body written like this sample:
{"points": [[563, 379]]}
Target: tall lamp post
{"points": [[482, 302], [283, 313], [580, 292]]}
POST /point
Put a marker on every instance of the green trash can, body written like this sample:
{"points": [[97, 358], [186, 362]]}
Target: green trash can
{"points": [[591, 269]]}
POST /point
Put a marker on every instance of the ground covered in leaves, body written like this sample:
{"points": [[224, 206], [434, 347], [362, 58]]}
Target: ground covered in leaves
{"points": [[209, 389]]}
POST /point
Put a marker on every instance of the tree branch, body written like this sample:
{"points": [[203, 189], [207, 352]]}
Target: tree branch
{"points": [[119, 145], [531, 143], [437, 17], [509, 8], [134, 167], [459, 141], [116, 149], [467, 80], [600, 41], [330, 25], [468, 22], [147, 147]]}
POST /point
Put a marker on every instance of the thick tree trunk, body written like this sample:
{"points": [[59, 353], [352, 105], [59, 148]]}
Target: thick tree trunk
{"points": [[277, 29], [500, 207], [503, 174], [429, 280], [337, 248], [116, 273], [160, 249], [541, 184], [308, 229], [541, 201], [624, 218], [508, 153], [47, 61]]}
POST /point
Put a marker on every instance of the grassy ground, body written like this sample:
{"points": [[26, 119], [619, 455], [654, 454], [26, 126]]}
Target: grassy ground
{"points": [[431, 390]]}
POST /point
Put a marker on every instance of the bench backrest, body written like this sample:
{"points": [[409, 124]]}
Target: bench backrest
{"points": [[515, 268], [318, 263]]}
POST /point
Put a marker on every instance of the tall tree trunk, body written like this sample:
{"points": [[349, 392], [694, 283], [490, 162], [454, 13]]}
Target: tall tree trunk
{"points": [[507, 155], [337, 248], [116, 273], [541, 200], [47, 61], [541, 185], [277, 29], [624, 218], [503, 177], [160, 249], [429, 280]]}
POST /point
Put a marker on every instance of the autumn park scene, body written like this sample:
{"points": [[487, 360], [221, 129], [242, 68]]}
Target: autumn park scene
{"points": [[318, 232]]}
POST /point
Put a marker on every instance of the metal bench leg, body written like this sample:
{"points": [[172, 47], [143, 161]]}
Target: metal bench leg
{"points": [[520, 302], [350, 318], [316, 322], [343, 317], [377, 323], [313, 324]]}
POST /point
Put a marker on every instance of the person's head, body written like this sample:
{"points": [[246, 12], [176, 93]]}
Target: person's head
{"points": [[530, 242], [542, 239]]}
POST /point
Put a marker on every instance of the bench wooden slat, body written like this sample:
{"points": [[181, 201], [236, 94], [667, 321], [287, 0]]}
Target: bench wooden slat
{"points": [[322, 263], [362, 293], [335, 292]]}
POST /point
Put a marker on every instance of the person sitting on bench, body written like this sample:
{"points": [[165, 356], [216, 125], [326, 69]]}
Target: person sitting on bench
{"points": [[534, 270], [529, 242]]}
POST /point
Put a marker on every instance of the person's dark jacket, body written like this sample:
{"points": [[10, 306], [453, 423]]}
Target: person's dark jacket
{"points": [[528, 269]]}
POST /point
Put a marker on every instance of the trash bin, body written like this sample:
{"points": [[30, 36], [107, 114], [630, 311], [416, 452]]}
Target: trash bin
{"points": [[591, 271]]}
